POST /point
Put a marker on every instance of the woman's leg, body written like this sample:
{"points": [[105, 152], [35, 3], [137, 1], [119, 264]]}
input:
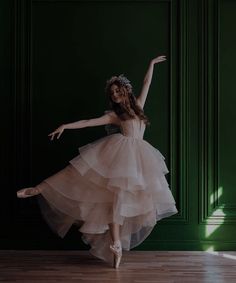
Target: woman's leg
{"points": [[116, 247], [115, 232]]}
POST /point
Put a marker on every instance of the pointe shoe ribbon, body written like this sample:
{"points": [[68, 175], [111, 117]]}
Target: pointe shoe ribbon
{"points": [[117, 251], [28, 192]]}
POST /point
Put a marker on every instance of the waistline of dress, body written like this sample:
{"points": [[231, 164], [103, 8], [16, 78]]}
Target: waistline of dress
{"points": [[132, 137]]}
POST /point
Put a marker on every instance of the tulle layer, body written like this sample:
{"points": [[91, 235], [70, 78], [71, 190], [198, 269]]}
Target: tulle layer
{"points": [[116, 179]]}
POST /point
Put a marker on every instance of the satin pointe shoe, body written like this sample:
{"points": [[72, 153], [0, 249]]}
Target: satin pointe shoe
{"points": [[116, 248], [28, 192]]}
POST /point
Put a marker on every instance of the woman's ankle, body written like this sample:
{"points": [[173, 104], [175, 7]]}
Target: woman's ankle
{"points": [[117, 243]]}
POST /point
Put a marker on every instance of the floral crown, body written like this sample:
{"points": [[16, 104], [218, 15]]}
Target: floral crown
{"points": [[121, 79]]}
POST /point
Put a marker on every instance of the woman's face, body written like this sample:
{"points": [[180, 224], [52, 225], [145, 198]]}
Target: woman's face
{"points": [[115, 94]]}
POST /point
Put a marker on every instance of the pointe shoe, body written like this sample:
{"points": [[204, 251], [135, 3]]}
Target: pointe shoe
{"points": [[27, 192], [117, 251]]}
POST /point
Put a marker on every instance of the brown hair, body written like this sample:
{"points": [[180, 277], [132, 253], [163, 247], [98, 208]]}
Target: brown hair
{"points": [[128, 108]]}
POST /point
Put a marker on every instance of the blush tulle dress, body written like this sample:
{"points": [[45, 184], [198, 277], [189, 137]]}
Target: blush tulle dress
{"points": [[119, 178]]}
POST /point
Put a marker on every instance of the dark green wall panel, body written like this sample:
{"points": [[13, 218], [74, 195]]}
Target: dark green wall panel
{"points": [[217, 194], [227, 102]]}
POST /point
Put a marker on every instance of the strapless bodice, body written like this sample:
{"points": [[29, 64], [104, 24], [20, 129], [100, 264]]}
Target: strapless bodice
{"points": [[133, 128]]}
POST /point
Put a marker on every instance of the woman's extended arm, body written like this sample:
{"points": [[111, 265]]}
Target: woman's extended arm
{"points": [[108, 118], [147, 80]]}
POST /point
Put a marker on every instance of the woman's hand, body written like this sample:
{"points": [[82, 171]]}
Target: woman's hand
{"points": [[58, 131], [158, 59]]}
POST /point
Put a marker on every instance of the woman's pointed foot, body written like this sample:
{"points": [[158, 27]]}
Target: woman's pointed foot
{"points": [[116, 248], [28, 192]]}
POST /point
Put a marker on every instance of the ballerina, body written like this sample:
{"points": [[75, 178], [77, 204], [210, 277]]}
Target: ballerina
{"points": [[115, 189]]}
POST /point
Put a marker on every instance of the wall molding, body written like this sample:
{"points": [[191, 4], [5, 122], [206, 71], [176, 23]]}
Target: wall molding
{"points": [[22, 59], [210, 209]]}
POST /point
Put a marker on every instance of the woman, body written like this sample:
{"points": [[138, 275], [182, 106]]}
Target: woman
{"points": [[115, 189]]}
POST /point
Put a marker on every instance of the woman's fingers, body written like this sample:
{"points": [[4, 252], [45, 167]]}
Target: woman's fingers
{"points": [[59, 135], [160, 58], [52, 135], [59, 132]]}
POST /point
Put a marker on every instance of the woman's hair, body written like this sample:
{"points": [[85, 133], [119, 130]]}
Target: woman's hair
{"points": [[128, 108]]}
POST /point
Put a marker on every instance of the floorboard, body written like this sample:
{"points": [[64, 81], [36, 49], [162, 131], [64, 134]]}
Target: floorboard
{"points": [[136, 267]]}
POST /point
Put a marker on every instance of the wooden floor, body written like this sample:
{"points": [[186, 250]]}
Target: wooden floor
{"points": [[136, 266]]}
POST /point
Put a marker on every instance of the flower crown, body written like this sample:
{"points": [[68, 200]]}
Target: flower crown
{"points": [[121, 79]]}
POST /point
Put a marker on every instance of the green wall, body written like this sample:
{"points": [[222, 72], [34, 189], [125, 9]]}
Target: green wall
{"points": [[56, 57]]}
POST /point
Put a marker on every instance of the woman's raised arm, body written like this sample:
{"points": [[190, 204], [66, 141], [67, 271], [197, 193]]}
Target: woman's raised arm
{"points": [[109, 118], [147, 80]]}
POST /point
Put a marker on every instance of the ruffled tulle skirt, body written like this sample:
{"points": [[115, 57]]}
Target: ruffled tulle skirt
{"points": [[116, 179]]}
